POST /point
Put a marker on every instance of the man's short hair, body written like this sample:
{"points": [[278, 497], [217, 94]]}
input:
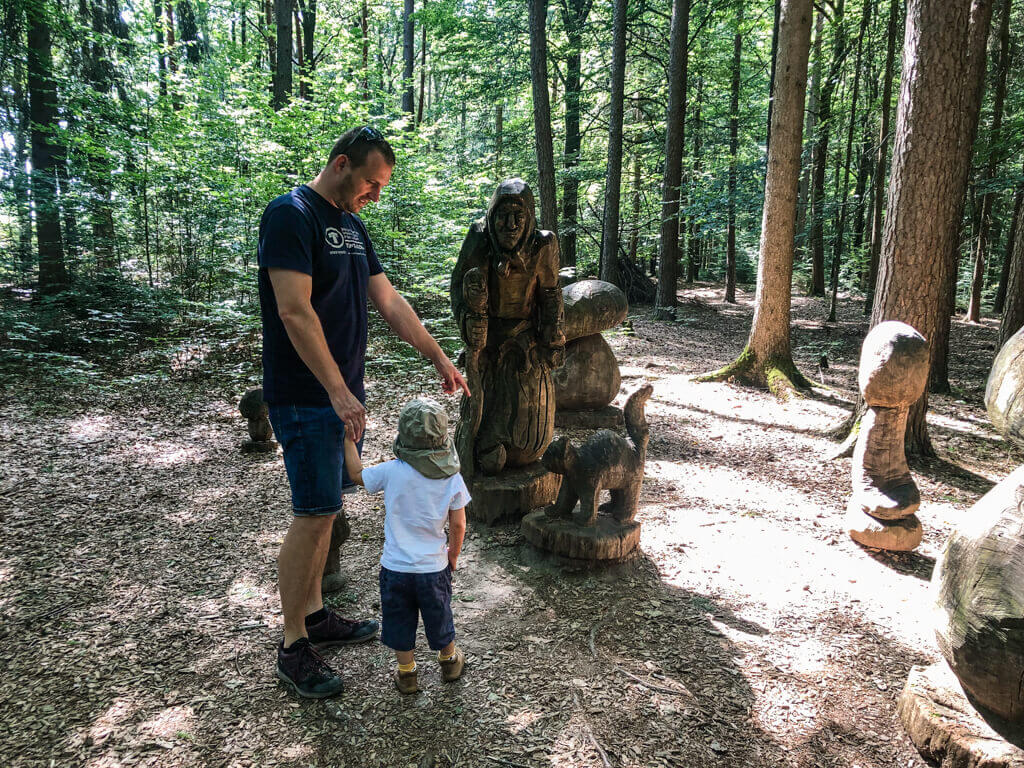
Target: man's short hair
{"points": [[356, 143]]}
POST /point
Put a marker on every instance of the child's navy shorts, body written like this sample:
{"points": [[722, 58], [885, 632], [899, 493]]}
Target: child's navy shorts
{"points": [[313, 439], [404, 597]]}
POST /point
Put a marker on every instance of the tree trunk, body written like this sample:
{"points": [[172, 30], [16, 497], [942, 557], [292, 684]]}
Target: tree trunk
{"points": [[408, 57], [499, 127], [1004, 275], [767, 360], [46, 153], [161, 54], [574, 16], [995, 152], [189, 36], [542, 115], [837, 249], [821, 155], [882, 158], [803, 196], [1013, 314], [665, 302], [693, 246], [613, 179], [364, 26], [734, 146], [931, 156], [423, 74]]}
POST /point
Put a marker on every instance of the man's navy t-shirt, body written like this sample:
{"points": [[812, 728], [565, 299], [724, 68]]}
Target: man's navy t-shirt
{"points": [[303, 232]]}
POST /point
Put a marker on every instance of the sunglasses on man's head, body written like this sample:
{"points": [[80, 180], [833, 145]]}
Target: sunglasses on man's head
{"points": [[367, 134]]}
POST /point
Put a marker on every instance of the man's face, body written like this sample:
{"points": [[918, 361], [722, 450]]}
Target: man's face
{"points": [[509, 224], [359, 186]]}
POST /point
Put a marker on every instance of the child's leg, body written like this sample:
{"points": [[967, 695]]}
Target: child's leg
{"points": [[434, 594], [406, 660]]}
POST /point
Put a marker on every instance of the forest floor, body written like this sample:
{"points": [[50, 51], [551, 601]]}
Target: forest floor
{"points": [[139, 613]]}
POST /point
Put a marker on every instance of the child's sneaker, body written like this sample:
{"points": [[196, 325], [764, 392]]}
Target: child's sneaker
{"points": [[302, 668], [406, 681], [451, 668]]}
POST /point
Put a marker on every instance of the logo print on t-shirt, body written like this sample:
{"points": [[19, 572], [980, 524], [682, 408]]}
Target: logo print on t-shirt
{"points": [[334, 237]]}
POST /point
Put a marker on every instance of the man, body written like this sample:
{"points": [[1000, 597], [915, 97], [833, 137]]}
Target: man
{"points": [[317, 269]]}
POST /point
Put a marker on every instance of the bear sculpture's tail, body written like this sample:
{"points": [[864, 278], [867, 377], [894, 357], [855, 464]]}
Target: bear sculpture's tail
{"points": [[636, 419]]}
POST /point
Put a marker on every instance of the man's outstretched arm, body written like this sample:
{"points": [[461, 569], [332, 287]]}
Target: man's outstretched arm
{"points": [[292, 290], [403, 321]]}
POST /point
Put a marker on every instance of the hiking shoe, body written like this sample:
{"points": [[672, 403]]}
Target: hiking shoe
{"points": [[451, 669], [406, 681], [335, 630], [305, 671]]}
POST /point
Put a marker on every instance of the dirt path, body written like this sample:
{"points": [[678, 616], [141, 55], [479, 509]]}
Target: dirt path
{"points": [[138, 605]]}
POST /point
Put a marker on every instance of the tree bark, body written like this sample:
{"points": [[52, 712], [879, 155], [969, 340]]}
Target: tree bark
{"points": [[574, 16], [613, 180], [693, 246], [542, 115], [675, 136], [1001, 58], [767, 360], [804, 192], [931, 156], [734, 146], [423, 74], [46, 152]]}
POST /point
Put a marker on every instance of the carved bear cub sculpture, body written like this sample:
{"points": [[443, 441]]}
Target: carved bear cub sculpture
{"points": [[606, 461]]}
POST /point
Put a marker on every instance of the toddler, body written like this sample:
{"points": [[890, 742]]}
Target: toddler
{"points": [[422, 490]]}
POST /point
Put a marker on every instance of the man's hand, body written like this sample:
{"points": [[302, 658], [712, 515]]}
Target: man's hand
{"points": [[351, 412], [451, 379]]}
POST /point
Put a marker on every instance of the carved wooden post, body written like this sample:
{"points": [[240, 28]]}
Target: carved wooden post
{"points": [[261, 436], [893, 374]]}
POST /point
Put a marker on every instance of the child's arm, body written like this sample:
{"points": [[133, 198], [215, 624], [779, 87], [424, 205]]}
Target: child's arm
{"points": [[353, 466], [456, 533]]}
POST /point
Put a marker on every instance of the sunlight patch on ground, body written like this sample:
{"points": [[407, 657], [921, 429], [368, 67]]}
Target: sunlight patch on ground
{"points": [[250, 593], [116, 713], [88, 427], [166, 454], [171, 722]]}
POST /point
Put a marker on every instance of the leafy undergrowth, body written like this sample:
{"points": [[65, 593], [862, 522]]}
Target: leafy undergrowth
{"points": [[138, 607]]}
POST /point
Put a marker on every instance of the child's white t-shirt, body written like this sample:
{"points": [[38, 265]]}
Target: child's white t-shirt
{"points": [[415, 511]]}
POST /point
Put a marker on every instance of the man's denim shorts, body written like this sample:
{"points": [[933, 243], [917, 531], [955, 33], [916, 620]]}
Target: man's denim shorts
{"points": [[312, 438], [406, 596]]}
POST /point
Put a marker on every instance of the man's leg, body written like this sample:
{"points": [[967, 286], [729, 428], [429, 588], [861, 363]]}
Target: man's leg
{"points": [[299, 567], [314, 596]]}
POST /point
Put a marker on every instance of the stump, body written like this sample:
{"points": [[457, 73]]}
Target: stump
{"points": [[512, 494], [608, 541], [946, 727]]}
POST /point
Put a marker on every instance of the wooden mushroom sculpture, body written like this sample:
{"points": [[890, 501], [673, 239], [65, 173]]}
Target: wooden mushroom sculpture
{"points": [[893, 374]]}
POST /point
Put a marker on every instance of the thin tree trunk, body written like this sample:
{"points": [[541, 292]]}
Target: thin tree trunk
{"points": [[693, 250], [408, 57], [574, 16], [423, 74], [542, 115], [364, 26], [821, 155], [734, 146], [499, 127], [1004, 275], [837, 250], [803, 197], [613, 180], [675, 137], [1002, 58]]}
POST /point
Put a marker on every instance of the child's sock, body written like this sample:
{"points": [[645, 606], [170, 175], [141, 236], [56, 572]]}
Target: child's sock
{"points": [[410, 667], [442, 657]]}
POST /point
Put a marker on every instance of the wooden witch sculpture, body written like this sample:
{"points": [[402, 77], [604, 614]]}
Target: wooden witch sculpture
{"points": [[508, 306]]}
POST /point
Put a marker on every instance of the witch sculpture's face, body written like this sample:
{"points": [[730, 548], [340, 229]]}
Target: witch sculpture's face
{"points": [[509, 223]]}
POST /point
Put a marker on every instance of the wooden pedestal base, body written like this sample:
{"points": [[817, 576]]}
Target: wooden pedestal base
{"points": [[513, 493], [946, 728], [608, 541]]}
